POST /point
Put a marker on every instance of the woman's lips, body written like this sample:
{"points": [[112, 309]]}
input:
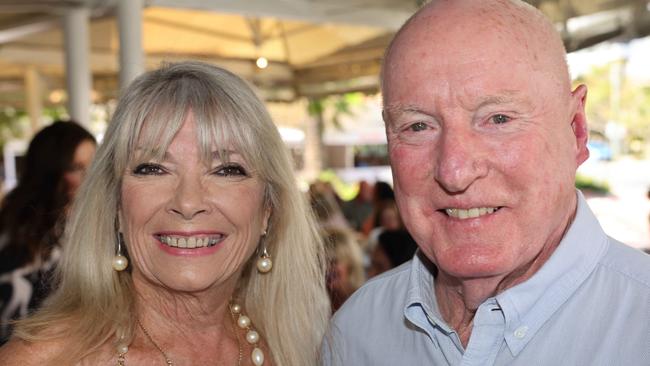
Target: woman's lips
{"points": [[190, 241]]}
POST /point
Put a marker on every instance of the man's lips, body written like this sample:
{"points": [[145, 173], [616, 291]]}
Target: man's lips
{"points": [[469, 213]]}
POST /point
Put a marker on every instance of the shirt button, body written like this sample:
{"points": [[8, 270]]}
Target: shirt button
{"points": [[520, 332]]}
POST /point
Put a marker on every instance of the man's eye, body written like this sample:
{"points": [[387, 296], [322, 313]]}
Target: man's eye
{"points": [[500, 118], [231, 170], [148, 169], [418, 126]]}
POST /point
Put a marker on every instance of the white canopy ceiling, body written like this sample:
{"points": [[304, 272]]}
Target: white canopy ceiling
{"points": [[314, 46]]}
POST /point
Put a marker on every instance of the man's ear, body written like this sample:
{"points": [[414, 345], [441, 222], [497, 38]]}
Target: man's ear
{"points": [[579, 122]]}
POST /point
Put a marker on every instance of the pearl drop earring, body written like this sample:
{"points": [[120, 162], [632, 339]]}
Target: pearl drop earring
{"points": [[264, 262], [119, 261]]}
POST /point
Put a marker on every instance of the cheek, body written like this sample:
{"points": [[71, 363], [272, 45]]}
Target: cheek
{"points": [[73, 181], [138, 205], [241, 205], [541, 164], [412, 166]]}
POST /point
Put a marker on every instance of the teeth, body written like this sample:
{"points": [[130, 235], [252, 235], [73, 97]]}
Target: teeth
{"points": [[471, 213], [189, 242]]}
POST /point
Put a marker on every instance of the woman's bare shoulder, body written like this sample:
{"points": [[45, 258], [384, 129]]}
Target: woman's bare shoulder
{"points": [[20, 352]]}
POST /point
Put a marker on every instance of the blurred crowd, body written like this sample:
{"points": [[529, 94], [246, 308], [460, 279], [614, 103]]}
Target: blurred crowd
{"points": [[364, 236]]}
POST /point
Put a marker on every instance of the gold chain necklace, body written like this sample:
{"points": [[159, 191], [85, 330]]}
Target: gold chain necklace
{"points": [[242, 321], [146, 333]]}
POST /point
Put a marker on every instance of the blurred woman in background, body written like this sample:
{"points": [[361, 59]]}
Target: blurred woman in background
{"points": [[394, 248], [345, 272], [33, 214]]}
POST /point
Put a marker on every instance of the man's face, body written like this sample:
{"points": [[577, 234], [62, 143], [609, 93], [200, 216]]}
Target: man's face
{"points": [[483, 148]]}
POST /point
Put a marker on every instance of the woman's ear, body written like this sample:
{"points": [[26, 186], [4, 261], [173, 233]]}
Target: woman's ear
{"points": [[265, 220]]}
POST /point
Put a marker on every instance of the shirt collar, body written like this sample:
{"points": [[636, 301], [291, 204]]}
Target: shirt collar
{"points": [[421, 306], [530, 304], [527, 306]]}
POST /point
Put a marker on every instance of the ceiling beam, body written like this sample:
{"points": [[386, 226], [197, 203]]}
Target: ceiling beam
{"points": [[26, 26]]}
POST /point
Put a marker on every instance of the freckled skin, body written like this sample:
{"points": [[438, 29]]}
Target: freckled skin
{"points": [[452, 70]]}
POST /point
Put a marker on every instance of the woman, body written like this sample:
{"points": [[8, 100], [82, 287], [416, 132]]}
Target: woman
{"points": [[322, 199], [393, 248], [387, 218], [382, 195], [190, 218], [345, 273], [33, 214]]}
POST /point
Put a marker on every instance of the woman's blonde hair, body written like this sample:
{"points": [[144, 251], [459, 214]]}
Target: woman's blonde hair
{"points": [[95, 304]]}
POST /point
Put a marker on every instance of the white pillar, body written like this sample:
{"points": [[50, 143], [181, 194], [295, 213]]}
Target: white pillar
{"points": [[129, 20], [33, 97], [77, 68]]}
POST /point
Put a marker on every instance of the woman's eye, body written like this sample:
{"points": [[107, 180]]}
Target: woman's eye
{"points": [[500, 119], [231, 170], [148, 169], [418, 126]]}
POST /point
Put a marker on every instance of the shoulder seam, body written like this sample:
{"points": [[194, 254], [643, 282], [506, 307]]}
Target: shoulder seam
{"points": [[626, 274]]}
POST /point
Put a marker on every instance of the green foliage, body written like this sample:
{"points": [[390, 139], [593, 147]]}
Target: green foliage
{"points": [[344, 190], [333, 107], [585, 183], [11, 124], [628, 104]]}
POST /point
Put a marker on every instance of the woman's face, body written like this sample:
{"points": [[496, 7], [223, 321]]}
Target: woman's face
{"points": [[379, 262], [390, 219], [81, 160], [190, 225]]}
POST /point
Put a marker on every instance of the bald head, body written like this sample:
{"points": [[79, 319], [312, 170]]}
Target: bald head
{"points": [[511, 29]]}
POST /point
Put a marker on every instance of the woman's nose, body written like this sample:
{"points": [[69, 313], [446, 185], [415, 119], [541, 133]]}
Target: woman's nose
{"points": [[189, 198]]}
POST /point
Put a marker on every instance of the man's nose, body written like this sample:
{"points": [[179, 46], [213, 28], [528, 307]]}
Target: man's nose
{"points": [[461, 159], [189, 198]]}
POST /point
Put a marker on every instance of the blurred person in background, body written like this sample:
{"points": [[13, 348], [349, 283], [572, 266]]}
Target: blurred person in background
{"points": [[33, 214], [387, 218], [382, 196], [358, 209], [345, 271], [324, 203], [393, 248]]}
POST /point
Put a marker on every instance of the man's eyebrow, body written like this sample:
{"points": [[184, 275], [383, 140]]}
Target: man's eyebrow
{"points": [[508, 96], [399, 109]]}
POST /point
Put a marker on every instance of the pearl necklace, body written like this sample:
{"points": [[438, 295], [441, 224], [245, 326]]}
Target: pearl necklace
{"points": [[242, 321]]}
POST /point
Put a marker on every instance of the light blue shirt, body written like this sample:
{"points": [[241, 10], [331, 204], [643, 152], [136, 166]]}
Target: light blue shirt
{"points": [[589, 304]]}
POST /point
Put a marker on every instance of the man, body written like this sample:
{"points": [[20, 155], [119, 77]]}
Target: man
{"points": [[485, 136]]}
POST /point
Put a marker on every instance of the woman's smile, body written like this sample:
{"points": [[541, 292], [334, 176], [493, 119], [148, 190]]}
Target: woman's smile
{"points": [[195, 244]]}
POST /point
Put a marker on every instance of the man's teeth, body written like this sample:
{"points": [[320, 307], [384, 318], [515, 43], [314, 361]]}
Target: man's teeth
{"points": [[190, 242], [471, 213]]}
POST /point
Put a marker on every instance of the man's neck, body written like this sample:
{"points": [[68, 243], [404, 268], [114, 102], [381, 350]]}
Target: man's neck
{"points": [[458, 299]]}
